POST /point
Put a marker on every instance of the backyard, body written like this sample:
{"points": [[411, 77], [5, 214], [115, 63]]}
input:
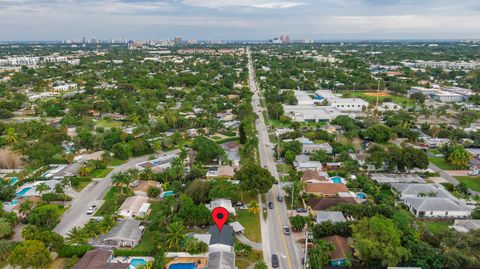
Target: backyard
{"points": [[471, 182], [251, 223], [435, 227]]}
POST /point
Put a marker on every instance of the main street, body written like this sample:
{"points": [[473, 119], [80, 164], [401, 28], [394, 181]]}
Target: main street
{"points": [[276, 242], [93, 194]]}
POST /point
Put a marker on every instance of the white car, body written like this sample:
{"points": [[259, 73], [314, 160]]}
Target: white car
{"points": [[91, 209]]}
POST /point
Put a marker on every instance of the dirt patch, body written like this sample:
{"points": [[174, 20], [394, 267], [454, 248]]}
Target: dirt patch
{"points": [[375, 94]]}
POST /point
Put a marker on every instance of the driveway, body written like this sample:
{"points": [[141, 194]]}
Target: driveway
{"points": [[93, 195]]}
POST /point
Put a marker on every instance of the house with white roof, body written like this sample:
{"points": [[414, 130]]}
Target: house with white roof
{"points": [[134, 206], [332, 216], [465, 226], [437, 207], [225, 203]]}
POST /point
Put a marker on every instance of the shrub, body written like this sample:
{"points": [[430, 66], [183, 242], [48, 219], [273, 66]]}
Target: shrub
{"points": [[49, 197], [131, 252], [69, 251]]}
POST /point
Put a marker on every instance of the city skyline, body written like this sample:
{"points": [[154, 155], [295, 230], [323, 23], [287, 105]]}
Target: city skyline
{"points": [[239, 20]]}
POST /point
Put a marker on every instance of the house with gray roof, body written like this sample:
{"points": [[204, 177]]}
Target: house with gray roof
{"points": [[465, 226], [421, 190], [221, 253], [221, 260], [437, 207], [396, 178], [332, 216], [125, 234]]}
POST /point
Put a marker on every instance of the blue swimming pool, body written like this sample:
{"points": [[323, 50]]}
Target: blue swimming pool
{"points": [[23, 191], [361, 195], [182, 266], [136, 263], [166, 194], [337, 180], [13, 180]]}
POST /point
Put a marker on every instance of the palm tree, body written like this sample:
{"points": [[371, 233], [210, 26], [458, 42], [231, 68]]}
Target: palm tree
{"points": [[25, 208], [261, 265], [42, 187], [107, 223], [254, 208], [5, 228], [59, 188], [76, 235], [120, 180], [175, 235], [91, 229], [5, 248], [11, 136]]}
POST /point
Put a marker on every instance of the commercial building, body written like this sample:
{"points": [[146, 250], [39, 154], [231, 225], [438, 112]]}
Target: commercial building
{"points": [[447, 97], [342, 104]]}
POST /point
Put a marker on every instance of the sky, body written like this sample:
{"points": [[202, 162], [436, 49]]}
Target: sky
{"points": [[239, 19]]}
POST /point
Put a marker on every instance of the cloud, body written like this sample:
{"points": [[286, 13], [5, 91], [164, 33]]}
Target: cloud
{"points": [[260, 4]]}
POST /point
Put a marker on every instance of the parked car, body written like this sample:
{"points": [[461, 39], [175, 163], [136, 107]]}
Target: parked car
{"points": [[270, 205], [275, 262], [286, 230], [91, 209], [280, 198], [301, 210]]}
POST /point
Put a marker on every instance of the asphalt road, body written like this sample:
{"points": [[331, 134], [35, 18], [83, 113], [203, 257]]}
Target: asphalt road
{"points": [[276, 242], [92, 195]]}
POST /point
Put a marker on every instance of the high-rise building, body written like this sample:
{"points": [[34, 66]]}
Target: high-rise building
{"points": [[177, 40]]}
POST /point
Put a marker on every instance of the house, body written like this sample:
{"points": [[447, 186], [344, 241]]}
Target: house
{"points": [[325, 189], [221, 253], [125, 234], [303, 163], [317, 204], [59, 171], [140, 187], [397, 178], [30, 189], [332, 216], [312, 176], [311, 148], [157, 165], [225, 203], [465, 226], [221, 172], [134, 206], [99, 259], [342, 252], [437, 207]]}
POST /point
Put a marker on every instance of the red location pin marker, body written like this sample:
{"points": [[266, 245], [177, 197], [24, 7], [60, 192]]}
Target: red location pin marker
{"points": [[220, 216]]}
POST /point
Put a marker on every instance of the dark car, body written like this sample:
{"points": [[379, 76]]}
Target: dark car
{"points": [[286, 230], [275, 262], [276, 182], [280, 198], [270, 205], [301, 210]]}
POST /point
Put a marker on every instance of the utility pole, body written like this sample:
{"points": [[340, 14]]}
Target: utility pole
{"points": [[291, 209], [305, 258]]}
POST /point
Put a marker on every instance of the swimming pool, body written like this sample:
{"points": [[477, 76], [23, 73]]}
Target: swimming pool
{"points": [[137, 263], [13, 180], [166, 194], [337, 180], [182, 266], [361, 195], [23, 191]]}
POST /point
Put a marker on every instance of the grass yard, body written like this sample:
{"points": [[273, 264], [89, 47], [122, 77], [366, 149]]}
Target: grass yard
{"points": [[147, 243], [245, 259], [108, 123], [471, 182], [101, 173], [436, 227], [441, 163], [116, 162], [372, 99], [251, 223], [81, 185], [284, 168]]}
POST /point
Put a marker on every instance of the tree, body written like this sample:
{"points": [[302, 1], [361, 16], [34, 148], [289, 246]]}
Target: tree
{"points": [[30, 253], [321, 156], [91, 229], [379, 133], [25, 208], [121, 151], [120, 180], [260, 265], [319, 256], [153, 192], [458, 157], [45, 216], [76, 235], [298, 222], [5, 228], [418, 97], [194, 246], [223, 188], [198, 190], [377, 242], [207, 150], [11, 136], [175, 235], [41, 188], [254, 178], [414, 158], [6, 247]]}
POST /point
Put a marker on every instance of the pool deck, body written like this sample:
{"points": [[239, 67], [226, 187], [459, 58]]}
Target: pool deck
{"points": [[203, 261], [121, 259]]}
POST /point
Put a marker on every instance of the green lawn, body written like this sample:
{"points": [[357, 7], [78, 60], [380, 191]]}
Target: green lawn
{"points": [[245, 259], [101, 173], [251, 223], [402, 100], [147, 243], [471, 182], [116, 162], [284, 168], [436, 227], [108, 123], [81, 186], [441, 163]]}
